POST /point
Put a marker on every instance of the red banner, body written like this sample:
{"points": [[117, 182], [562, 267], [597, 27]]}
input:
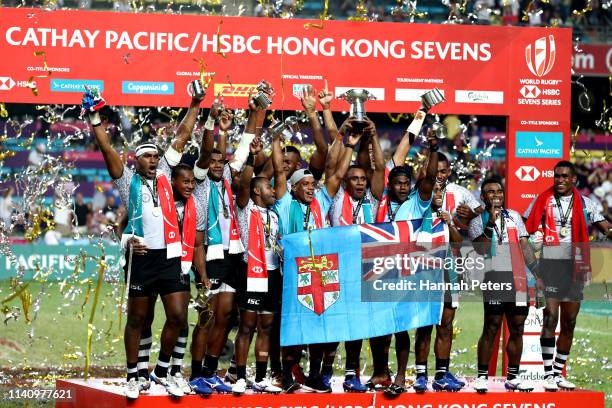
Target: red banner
{"points": [[593, 60], [150, 59]]}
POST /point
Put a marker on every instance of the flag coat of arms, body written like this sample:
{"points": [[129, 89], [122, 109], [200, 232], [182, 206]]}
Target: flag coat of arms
{"points": [[322, 285]]}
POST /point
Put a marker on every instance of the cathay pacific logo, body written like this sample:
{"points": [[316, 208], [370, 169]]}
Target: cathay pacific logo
{"points": [[540, 56], [539, 145]]}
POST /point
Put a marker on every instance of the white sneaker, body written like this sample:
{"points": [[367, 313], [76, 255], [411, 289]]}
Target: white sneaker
{"points": [[169, 384], [182, 384], [232, 378], [480, 385], [516, 384], [144, 384], [266, 386], [564, 384], [240, 387], [550, 384], [131, 389]]}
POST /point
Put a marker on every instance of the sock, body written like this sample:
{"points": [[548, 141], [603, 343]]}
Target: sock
{"points": [[275, 366], [260, 370], [196, 369], [560, 360], [548, 350], [483, 370], [210, 366], [421, 369], [241, 372], [315, 367], [442, 368], [513, 371], [350, 370], [179, 351], [144, 350], [132, 371], [287, 374], [232, 367], [328, 369], [163, 361]]}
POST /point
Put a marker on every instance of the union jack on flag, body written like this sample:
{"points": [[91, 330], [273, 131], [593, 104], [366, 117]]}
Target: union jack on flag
{"points": [[387, 240]]}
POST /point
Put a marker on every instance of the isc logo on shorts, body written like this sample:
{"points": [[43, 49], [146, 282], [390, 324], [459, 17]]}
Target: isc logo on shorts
{"points": [[253, 302]]}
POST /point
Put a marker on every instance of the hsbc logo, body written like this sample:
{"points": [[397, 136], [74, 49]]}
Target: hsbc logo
{"points": [[530, 173], [540, 56], [257, 269], [530, 91], [6, 83]]}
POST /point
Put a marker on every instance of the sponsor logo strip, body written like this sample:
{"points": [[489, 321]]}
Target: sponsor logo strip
{"points": [[539, 145], [75, 85], [475, 96], [148, 88], [411, 95]]}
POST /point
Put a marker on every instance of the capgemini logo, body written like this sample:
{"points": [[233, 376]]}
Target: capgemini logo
{"points": [[540, 56]]}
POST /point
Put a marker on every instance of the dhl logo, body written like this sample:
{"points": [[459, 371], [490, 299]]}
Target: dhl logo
{"points": [[241, 90]]}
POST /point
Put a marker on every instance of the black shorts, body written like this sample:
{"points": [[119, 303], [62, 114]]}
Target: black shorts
{"points": [[152, 274], [269, 301], [558, 277], [220, 271], [502, 301]]}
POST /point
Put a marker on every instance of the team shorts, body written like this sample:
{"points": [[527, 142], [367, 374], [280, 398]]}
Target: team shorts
{"points": [[153, 274], [260, 302]]}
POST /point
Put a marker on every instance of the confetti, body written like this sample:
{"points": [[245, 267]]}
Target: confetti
{"points": [[31, 84], [322, 17], [3, 111]]}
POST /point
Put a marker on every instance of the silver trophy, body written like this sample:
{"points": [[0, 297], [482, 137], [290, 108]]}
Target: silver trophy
{"points": [[357, 98], [432, 98], [439, 130], [197, 89], [263, 99], [288, 129]]}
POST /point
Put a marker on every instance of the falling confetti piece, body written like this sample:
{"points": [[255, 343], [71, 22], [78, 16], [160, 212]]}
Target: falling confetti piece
{"points": [[31, 84], [322, 18], [3, 111]]}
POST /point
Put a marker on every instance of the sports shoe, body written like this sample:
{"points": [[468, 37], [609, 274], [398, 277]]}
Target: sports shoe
{"points": [[232, 378], [316, 384], [266, 386], [182, 383], [326, 380], [455, 379], [200, 387], [354, 385], [216, 384], [564, 384], [394, 390], [550, 384], [298, 373], [420, 385], [144, 384], [277, 380], [169, 383], [480, 385], [240, 387], [445, 384], [289, 386], [131, 389], [516, 384]]}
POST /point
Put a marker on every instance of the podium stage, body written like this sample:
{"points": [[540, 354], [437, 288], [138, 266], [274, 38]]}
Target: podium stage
{"points": [[108, 393]]}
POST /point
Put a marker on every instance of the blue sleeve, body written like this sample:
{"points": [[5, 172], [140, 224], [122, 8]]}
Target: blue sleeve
{"points": [[325, 201], [283, 208], [413, 208]]}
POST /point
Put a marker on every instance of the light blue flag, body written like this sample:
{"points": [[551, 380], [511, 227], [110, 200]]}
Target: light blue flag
{"points": [[326, 285]]}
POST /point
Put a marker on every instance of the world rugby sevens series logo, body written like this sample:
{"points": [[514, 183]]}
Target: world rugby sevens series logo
{"points": [[540, 56]]}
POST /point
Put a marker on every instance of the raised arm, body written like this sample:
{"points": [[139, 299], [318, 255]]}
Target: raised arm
{"points": [[225, 123], [325, 98], [242, 198], [333, 182], [427, 183], [337, 148], [185, 129], [377, 182], [399, 157], [280, 178], [309, 102], [208, 140], [92, 103]]}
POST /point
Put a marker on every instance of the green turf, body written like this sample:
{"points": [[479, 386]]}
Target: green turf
{"points": [[57, 339]]}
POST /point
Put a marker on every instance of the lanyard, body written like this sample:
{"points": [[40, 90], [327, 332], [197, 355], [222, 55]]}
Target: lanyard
{"points": [[307, 218], [500, 234], [225, 209], [357, 209], [267, 230], [152, 191], [565, 216], [390, 213]]}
